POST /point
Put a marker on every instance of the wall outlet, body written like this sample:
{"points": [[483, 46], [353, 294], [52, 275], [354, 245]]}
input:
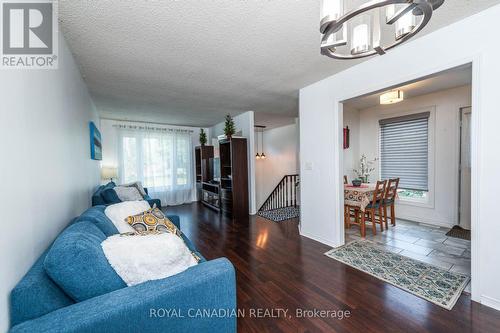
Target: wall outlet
{"points": [[308, 166]]}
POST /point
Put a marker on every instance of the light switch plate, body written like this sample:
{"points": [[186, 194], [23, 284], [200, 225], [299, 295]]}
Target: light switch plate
{"points": [[308, 166]]}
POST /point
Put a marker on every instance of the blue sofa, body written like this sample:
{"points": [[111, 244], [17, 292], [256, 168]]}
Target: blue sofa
{"points": [[99, 200], [200, 299]]}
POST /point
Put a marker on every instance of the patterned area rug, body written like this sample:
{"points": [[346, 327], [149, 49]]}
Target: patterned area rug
{"points": [[281, 214], [429, 282]]}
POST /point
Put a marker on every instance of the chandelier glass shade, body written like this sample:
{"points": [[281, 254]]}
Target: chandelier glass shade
{"points": [[359, 32]]}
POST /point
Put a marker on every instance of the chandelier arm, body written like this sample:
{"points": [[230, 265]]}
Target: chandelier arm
{"points": [[328, 50]]}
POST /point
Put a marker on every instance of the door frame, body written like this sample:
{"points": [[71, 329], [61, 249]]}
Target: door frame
{"points": [[475, 61], [460, 117]]}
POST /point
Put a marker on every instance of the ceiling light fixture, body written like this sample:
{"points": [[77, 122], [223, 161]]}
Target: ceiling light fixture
{"points": [[260, 129], [363, 25], [392, 97]]}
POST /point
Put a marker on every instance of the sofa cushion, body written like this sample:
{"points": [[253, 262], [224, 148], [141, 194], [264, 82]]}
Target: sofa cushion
{"points": [[96, 215], [97, 198], [76, 262], [36, 295], [110, 196]]}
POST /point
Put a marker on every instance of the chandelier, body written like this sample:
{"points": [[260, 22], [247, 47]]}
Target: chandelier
{"points": [[358, 32]]}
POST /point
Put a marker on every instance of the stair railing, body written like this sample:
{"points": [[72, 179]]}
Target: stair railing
{"points": [[284, 194]]}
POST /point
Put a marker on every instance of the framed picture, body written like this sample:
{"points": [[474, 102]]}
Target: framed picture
{"points": [[95, 142], [346, 137]]}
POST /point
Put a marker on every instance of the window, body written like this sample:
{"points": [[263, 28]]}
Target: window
{"points": [[404, 154], [161, 160]]}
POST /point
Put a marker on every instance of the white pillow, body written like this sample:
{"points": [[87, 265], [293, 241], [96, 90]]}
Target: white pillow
{"points": [[137, 259], [137, 185], [128, 193], [117, 213]]}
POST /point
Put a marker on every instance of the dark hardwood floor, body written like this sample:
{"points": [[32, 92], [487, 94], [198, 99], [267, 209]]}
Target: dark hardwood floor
{"points": [[278, 269]]}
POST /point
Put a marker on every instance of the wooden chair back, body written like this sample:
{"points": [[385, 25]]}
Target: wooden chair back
{"points": [[345, 180], [379, 192], [392, 189]]}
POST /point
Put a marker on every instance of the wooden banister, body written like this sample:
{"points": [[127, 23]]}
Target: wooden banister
{"points": [[283, 195]]}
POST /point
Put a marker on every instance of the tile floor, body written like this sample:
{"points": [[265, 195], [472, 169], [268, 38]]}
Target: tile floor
{"points": [[421, 242]]}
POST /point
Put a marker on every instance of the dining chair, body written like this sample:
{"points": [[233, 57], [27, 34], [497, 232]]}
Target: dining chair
{"points": [[391, 193], [373, 209]]}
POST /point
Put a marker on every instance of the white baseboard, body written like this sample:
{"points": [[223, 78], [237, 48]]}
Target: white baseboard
{"points": [[319, 239], [490, 302], [431, 221]]}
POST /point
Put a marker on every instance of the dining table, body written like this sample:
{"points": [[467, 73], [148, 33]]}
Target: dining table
{"points": [[359, 196]]}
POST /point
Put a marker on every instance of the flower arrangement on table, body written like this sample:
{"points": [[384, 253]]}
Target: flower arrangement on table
{"points": [[365, 168]]}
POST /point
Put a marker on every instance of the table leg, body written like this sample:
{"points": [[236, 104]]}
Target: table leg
{"points": [[363, 226]]}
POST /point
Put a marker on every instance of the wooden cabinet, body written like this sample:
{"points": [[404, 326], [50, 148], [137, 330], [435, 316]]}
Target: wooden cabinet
{"points": [[202, 156], [234, 177]]}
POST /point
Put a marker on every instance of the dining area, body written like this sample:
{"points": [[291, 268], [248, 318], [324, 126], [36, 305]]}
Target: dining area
{"points": [[372, 203]]}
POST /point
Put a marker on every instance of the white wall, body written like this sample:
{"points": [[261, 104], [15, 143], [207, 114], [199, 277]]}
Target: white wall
{"points": [[321, 119], [281, 149], [47, 174], [243, 123], [351, 154], [444, 130]]}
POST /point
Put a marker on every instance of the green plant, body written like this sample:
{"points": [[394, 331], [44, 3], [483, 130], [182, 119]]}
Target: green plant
{"points": [[203, 137], [229, 129]]}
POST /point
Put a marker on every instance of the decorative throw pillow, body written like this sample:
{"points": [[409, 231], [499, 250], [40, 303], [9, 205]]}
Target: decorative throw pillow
{"points": [[144, 258], [139, 187], [128, 193], [110, 196], [119, 212], [152, 220]]}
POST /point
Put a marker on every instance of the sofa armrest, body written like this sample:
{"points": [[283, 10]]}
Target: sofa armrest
{"points": [[200, 299]]}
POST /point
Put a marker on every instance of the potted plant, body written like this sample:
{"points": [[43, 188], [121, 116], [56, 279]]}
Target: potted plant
{"points": [[203, 137], [229, 127], [365, 168]]}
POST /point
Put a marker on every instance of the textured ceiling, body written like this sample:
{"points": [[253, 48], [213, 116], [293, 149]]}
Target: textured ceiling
{"points": [[190, 62]]}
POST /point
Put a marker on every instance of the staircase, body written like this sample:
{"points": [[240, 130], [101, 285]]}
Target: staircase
{"points": [[283, 195]]}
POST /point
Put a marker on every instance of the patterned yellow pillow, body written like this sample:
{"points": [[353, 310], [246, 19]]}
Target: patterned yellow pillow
{"points": [[152, 220]]}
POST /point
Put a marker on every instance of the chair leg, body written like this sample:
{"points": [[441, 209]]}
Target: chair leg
{"points": [[393, 215], [385, 218], [381, 218], [374, 224]]}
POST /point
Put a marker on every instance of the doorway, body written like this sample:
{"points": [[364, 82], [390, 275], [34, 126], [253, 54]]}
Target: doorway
{"points": [[435, 173]]}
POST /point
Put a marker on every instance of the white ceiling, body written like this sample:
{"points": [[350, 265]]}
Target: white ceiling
{"points": [[190, 62], [440, 81]]}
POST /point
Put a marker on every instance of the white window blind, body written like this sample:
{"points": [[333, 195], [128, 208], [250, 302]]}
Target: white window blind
{"points": [[404, 150]]}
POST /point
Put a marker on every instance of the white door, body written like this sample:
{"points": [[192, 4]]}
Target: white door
{"points": [[465, 166]]}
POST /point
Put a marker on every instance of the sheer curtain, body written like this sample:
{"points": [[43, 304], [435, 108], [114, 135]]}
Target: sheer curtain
{"points": [[161, 158]]}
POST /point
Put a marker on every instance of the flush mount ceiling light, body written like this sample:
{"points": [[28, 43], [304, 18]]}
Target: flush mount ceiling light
{"points": [[360, 29], [392, 97]]}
